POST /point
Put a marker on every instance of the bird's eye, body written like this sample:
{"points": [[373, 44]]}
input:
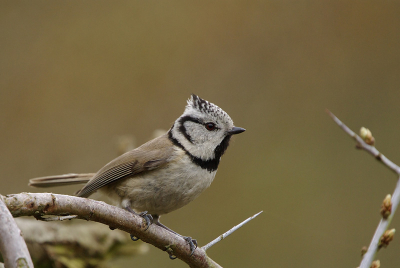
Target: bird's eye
{"points": [[210, 126]]}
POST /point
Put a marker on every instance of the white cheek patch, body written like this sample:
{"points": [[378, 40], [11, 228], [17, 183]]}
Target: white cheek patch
{"points": [[196, 148]]}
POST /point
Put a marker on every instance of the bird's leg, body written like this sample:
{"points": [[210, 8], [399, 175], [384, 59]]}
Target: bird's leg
{"points": [[147, 217], [192, 242]]}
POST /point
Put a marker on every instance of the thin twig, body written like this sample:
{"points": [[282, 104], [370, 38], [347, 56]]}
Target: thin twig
{"points": [[361, 144], [380, 230], [223, 236], [12, 245], [384, 223]]}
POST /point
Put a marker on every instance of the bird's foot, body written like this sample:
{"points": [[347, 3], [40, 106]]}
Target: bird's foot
{"points": [[192, 244], [147, 217]]}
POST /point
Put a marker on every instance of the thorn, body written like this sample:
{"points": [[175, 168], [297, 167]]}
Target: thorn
{"points": [[224, 235], [328, 112]]}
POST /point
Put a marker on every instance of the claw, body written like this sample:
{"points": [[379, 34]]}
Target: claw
{"points": [[172, 257], [192, 244], [134, 238], [147, 217]]}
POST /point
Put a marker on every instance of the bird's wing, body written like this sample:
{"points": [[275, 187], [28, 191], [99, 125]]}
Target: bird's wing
{"points": [[151, 155]]}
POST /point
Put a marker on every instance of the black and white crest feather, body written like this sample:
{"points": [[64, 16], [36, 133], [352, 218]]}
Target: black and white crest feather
{"points": [[208, 108]]}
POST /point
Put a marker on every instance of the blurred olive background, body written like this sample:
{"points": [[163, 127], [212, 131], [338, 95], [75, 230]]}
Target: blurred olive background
{"points": [[74, 75]]}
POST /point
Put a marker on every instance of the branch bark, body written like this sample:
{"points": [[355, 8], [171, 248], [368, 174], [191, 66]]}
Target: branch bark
{"points": [[373, 248], [12, 245], [41, 204]]}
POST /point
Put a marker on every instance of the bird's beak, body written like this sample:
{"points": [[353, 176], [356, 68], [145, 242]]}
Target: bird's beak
{"points": [[236, 130]]}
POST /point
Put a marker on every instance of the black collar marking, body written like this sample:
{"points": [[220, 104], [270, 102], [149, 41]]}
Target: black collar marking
{"points": [[211, 164], [182, 127]]}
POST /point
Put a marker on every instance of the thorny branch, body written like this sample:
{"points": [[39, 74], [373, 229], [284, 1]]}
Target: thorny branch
{"points": [[381, 233], [42, 204], [225, 235], [363, 145]]}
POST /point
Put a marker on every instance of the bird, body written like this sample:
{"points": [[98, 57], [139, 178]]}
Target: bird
{"points": [[165, 173]]}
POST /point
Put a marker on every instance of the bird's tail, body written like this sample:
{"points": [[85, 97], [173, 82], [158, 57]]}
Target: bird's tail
{"points": [[61, 180]]}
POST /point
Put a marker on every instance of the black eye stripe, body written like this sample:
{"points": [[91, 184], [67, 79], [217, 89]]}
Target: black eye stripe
{"points": [[182, 128], [191, 119]]}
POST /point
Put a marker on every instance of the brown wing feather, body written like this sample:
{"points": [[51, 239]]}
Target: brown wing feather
{"points": [[149, 156], [60, 180]]}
